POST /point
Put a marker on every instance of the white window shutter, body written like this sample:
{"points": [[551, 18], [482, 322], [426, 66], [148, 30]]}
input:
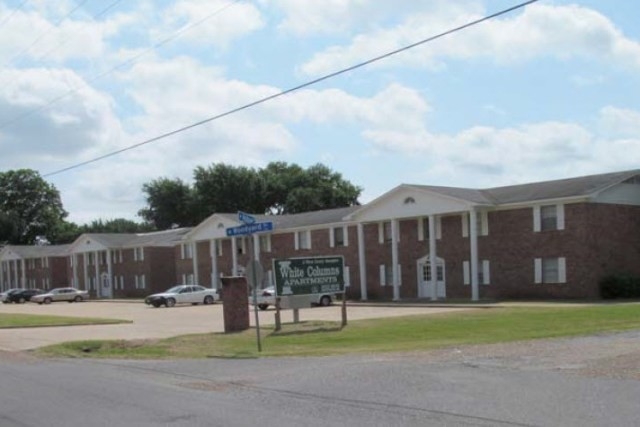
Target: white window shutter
{"points": [[560, 216], [465, 272], [380, 232], [383, 276], [562, 270], [484, 223], [144, 281], [332, 238], [141, 254], [536, 220], [345, 235], [182, 251], [268, 243], [399, 275], [465, 224], [347, 277], [486, 272], [296, 240], [438, 227], [537, 267], [308, 239], [420, 229]]}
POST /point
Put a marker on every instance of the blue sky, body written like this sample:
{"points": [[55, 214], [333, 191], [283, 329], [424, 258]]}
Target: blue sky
{"points": [[548, 91]]}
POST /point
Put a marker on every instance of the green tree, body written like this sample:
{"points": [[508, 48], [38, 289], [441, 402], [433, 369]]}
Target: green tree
{"points": [[31, 204], [169, 203]]}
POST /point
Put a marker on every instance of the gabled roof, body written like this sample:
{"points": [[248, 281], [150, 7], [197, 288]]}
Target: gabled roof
{"points": [[158, 238], [29, 252], [466, 194], [300, 220]]}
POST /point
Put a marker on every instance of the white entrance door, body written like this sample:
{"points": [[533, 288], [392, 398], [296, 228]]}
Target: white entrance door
{"points": [[424, 278], [105, 290]]}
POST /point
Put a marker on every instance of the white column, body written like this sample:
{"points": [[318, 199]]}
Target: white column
{"points": [[473, 243], [85, 264], [110, 273], [16, 282], [23, 274], [362, 263], [214, 263], [433, 257], [96, 279], [234, 257], [2, 275], [74, 269], [194, 255], [256, 247], [394, 260]]}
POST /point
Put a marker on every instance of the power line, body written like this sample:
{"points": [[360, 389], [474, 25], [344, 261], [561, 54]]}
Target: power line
{"points": [[9, 16], [129, 61], [293, 89]]}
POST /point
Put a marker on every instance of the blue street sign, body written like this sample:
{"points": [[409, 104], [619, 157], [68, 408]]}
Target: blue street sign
{"points": [[246, 218], [243, 230]]}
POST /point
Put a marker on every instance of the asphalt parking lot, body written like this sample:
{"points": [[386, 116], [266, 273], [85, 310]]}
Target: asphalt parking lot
{"points": [[148, 322]]}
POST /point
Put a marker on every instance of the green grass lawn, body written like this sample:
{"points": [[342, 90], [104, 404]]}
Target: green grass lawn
{"points": [[411, 333], [31, 321]]}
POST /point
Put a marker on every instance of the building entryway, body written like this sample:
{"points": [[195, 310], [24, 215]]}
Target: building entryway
{"points": [[424, 278], [105, 286]]}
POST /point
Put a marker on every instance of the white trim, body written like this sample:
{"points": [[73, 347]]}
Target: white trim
{"points": [[536, 219], [345, 235], [296, 239], [332, 239], [486, 278], [484, 223], [421, 235], [347, 277], [383, 276], [537, 270], [465, 224], [562, 270], [466, 274], [438, 227], [381, 232], [560, 216]]}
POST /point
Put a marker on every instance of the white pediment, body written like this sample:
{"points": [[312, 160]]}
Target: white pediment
{"points": [[410, 202], [86, 243], [621, 194], [9, 255], [214, 227]]}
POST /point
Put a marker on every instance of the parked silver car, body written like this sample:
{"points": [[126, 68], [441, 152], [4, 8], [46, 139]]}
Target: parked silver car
{"points": [[61, 294], [267, 296], [183, 294]]}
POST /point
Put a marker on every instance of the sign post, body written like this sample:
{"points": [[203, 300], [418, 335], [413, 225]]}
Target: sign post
{"points": [[248, 229]]}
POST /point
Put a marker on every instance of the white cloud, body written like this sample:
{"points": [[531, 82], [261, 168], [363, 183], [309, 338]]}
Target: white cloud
{"points": [[211, 22], [561, 32], [620, 122]]}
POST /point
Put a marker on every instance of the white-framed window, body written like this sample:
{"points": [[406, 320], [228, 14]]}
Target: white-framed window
{"points": [[484, 272], [423, 228], [242, 246], [265, 243], [482, 223], [138, 254], [548, 217], [385, 232], [121, 282], [550, 270], [120, 256], [186, 251], [302, 239], [386, 275], [338, 237], [141, 282]]}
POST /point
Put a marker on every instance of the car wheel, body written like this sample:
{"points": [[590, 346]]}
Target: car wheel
{"points": [[78, 298], [208, 299], [47, 301], [325, 301], [156, 304], [21, 300], [170, 302], [263, 306]]}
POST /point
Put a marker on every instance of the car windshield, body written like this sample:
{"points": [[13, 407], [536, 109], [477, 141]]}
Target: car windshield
{"points": [[174, 290]]}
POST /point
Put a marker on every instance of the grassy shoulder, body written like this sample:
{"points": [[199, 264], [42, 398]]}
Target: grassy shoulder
{"points": [[34, 321], [411, 333]]}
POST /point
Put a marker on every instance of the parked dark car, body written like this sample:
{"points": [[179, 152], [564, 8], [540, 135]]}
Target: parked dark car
{"points": [[4, 296], [24, 295]]}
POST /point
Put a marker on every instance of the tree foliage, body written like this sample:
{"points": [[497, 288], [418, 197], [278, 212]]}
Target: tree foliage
{"points": [[279, 188], [29, 207]]}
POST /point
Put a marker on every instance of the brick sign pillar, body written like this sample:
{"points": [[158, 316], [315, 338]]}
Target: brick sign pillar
{"points": [[235, 295]]}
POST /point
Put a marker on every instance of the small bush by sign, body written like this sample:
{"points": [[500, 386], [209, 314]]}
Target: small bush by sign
{"points": [[620, 286]]}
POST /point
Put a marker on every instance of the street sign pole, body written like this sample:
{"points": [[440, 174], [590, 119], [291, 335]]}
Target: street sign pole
{"points": [[255, 293]]}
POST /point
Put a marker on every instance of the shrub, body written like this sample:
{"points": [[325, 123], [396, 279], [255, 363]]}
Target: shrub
{"points": [[620, 286]]}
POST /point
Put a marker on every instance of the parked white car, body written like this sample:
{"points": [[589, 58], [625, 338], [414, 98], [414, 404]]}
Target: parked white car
{"points": [[4, 296], [60, 294], [183, 294], [267, 296]]}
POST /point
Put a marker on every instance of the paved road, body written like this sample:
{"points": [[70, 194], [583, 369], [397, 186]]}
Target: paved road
{"points": [[542, 383], [162, 322]]}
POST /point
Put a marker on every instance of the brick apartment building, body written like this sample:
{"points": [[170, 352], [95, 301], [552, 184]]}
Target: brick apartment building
{"points": [[552, 239], [42, 267], [123, 265]]}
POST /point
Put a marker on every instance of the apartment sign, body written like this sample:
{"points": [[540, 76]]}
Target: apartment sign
{"points": [[306, 276]]}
